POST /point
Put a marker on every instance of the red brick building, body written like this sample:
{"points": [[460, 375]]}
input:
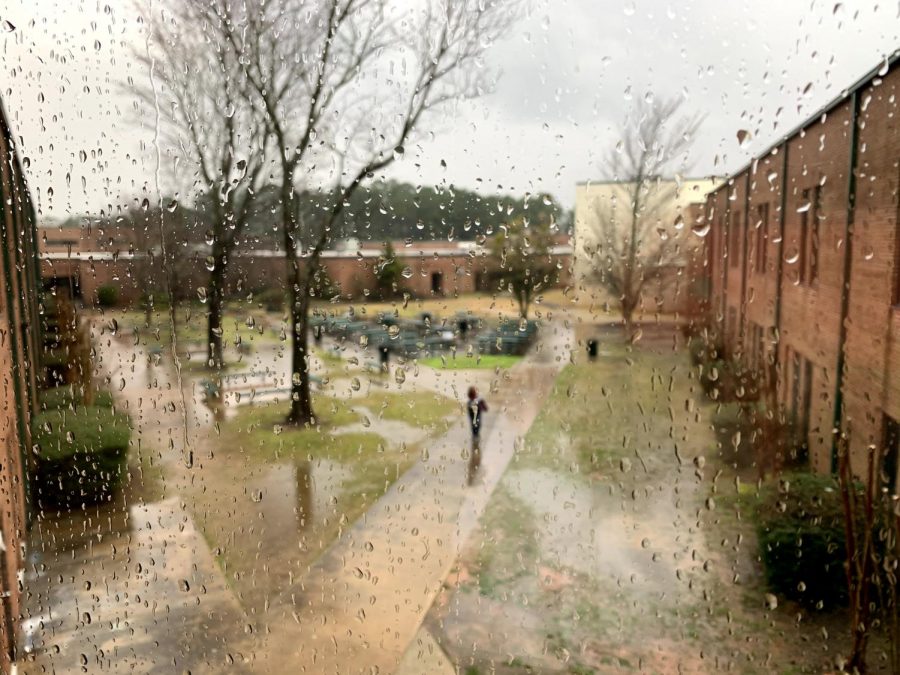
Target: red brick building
{"points": [[804, 270], [18, 347], [70, 256]]}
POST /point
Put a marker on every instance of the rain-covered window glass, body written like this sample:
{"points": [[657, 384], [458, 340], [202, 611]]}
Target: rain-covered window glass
{"points": [[449, 336]]}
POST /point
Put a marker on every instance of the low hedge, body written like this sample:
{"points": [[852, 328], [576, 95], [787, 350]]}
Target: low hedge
{"points": [[81, 455], [802, 540], [107, 296], [65, 397], [271, 299]]}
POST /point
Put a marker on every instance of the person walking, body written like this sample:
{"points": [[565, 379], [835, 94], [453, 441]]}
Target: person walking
{"points": [[476, 409]]}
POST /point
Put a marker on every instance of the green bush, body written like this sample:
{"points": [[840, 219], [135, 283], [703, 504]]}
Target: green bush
{"points": [[107, 296], [81, 455], [155, 301], [65, 396], [802, 540], [271, 299]]}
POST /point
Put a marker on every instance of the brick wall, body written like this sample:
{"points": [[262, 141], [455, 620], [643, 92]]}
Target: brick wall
{"points": [[457, 272], [18, 347], [802, 308], [872, 379]]}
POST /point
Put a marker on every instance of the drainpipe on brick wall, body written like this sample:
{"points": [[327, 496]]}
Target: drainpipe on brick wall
{"points": [[845, 278], [779, 266], [745, 257], [726, 238]]}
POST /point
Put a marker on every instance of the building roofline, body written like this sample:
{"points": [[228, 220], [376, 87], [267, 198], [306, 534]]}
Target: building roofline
{"points": [[845, 94], [95, 256], [662, 178]]}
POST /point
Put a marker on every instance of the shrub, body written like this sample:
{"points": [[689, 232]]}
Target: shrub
{"points": [[107, 296], [271, 299], [802, 540], [155, 301], [66, 396], [81, 455]]}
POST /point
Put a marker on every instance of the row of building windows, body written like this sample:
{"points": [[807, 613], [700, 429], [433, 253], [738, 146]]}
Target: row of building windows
{"points": [[807, 255]]}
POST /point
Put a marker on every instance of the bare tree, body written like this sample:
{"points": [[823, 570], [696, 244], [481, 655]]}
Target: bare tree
{"points": [[633, 245], [198, 90], [345, 86]]}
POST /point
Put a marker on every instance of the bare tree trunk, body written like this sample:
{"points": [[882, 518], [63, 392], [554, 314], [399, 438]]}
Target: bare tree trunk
{"points": [[859, 555], [301, 397], [627, 312], [301, 412], [215, 309]]}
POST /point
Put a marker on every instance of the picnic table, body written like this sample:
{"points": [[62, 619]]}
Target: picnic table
{"points": [[256, 384]]}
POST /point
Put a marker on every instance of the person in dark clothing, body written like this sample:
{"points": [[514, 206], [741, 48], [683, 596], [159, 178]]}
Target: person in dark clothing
{"points": [[476, 408]]}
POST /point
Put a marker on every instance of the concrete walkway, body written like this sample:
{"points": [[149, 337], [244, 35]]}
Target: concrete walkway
{"points": [[361, 605], [143, 594]]}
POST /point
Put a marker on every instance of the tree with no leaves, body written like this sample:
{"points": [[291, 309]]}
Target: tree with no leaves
{"points": [[632, 245], [197, 93], [345, 86]]}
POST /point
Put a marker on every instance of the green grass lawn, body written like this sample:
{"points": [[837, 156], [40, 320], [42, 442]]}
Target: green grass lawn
{"points": [[426, 410], [487, 361], [625, 405], [190, 323], [260, 433]]}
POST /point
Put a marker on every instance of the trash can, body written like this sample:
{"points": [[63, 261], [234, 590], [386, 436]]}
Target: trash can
{"points": [[463, 326], [317, 335], [383, 355], [592, 346]]}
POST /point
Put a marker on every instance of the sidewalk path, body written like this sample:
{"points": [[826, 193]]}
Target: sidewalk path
{"points": [[362, 603]]}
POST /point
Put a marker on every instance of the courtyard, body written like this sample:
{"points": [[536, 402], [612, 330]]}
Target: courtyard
{"points": [[604, 530]]}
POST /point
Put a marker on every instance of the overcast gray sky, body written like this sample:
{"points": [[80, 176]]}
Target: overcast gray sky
{"points": [[566, 75]]}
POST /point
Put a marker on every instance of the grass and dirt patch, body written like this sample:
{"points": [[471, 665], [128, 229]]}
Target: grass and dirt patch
{"points": [[301, 487], [466, 362], [656, 568], [242, 329]]}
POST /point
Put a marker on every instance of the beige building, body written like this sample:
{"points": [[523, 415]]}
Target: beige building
{"points": [[604, 214]]}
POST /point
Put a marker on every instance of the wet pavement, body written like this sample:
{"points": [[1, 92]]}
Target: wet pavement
{"points": [[163, 594], [135, 586]]}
